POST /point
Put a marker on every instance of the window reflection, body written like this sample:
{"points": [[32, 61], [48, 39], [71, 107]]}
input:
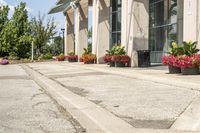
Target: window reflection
{"points": [[116, 21], [163, 26]]}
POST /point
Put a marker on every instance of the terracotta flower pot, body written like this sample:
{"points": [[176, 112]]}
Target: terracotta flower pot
{"points": [[190, 71], [174, 70]]}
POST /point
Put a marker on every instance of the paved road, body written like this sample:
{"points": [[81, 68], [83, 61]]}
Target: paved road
{"points": [[26, 108]]}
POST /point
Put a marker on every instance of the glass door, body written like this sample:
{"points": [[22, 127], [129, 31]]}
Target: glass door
{"points": [[162, 27]]}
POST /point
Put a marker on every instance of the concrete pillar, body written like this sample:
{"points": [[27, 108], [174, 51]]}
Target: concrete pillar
{"points": [[101, 28], [198, 24], [190, 20], [77, 25], [124, 26], [135, 29], [70, 40], [83, 26], [94, 25], [180, 20], [66, 46]]}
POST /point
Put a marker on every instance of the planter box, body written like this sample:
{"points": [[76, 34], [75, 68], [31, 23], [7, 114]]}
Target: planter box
{"points": [[119, 64], [174, 70], [89, 62], [72, 59], [190, 71], [112, 64]]}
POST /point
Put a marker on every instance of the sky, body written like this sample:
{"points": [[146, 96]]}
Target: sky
{"points": [[36, 6]]}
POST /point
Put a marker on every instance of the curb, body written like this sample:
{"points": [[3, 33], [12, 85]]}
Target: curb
{"points": [[92, 117]]}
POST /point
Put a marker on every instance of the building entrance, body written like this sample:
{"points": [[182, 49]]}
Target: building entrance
{"points": [[162, 27]]}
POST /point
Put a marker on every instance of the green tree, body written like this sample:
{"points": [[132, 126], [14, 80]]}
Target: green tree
{"points": [[57, 45], [4, 47], [42, 32], [22, 33]]}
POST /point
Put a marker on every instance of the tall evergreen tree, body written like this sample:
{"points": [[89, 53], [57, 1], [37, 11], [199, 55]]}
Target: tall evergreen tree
{"points": [[22, 37], [4, 47]]}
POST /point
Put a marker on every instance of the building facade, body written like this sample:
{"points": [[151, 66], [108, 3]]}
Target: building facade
{"points": [[135, 24]]}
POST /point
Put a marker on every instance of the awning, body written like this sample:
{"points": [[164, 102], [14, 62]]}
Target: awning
{"points": [[61, 2], [62, 6]]}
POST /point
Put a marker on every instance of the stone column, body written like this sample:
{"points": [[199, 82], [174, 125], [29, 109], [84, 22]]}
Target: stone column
{"points": [[198, 24], [94, 25], [190, 20], [180, 20], [77, 25], [101, 28], [70, 40], [83, 26], [124, 22], [135, 27], [66, 46]]}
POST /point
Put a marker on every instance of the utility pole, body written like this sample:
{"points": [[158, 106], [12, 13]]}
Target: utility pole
{"points": [[32, 52], [63, 32]]}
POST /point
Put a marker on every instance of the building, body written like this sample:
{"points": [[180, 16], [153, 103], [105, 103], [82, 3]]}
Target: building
{"points": [[136, 24]]}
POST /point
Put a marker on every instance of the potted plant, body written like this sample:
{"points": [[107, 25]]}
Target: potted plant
{"points": [[107, 58], [88, 57], [60, 57], [189, 64], [72, 57], [119, 56], [172, 58], [171, 62]]}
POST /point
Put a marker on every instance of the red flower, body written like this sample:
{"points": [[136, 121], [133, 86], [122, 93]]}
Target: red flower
{"points": [[189, 61], [107, 58], [170, 60]]}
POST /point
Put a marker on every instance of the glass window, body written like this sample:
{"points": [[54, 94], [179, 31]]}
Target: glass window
{"points": [[162, 26], [115, 22]]}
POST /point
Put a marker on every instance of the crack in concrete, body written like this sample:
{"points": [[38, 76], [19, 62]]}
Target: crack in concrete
{"points": [[43, 129], [35, 95], [37, 104]]}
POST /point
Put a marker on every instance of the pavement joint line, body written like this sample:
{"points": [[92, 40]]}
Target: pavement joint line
{"points": [[182, 114], [96, 120], [190, 115]]}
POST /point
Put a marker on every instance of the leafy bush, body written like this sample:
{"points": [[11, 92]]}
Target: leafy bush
{"points": [[190, 48], [60, 57], [87, 51], [45, 56], [176, 50]]}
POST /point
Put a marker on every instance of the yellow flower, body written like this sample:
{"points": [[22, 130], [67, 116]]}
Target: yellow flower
{"points": [[174, 45], [190, 42]]}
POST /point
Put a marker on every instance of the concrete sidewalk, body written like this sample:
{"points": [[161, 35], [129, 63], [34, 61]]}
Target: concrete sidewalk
{"points": [[143, 98]]}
